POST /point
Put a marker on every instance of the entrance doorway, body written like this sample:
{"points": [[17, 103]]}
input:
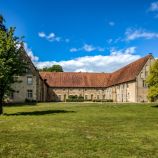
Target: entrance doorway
{"points": [[92, 97]]}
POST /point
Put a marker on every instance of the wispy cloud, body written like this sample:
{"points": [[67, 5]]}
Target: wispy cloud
{"points": [[109, 41], [52, 37], [98, 63], [153, 6], [129, 50], [133, 34], [88, 48], [30, 53], [111, 23]]}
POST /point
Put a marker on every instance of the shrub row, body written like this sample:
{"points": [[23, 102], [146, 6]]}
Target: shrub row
{"points": [[102, 100], [30, 101], [75, 98]]}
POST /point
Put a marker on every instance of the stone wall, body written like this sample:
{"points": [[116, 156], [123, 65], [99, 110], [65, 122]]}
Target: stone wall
{"points": [[141, 87], [21, 89], [61, 94], [39, 89], [125, 92]]}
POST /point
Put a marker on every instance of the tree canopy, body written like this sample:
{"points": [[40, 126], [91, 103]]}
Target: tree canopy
{"points": [[2, 26], [54, 68], [152, 82], [11, 62]]}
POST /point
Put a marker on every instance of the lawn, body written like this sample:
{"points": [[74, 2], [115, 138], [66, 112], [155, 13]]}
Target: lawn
{"points": [[79, 130]]}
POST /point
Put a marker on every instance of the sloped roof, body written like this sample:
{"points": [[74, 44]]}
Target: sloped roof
{"points": [[73, 79], [82, 79], [129, 72]]}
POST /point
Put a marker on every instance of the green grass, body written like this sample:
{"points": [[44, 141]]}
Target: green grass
{"points": [[78, 130]]}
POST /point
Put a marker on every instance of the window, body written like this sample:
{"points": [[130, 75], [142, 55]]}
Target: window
{"points": [[29, 94], [65, 97], [97, 96], [59, 97], [29, 80], [91, 96], [128, 95], [86, 97], [146, 73], [142, 75], [127, 85], [103, 96], [144, 84]]}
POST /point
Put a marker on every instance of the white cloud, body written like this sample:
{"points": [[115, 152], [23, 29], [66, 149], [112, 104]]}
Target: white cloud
{"points": [[74, 50], [130, 50], [98, 63], [30, 53], [42, 34], [52, 37], [88, 48], [153, 6], [111, 23], [132, 34]]}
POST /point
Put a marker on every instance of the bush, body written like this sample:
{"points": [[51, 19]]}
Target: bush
{"points": [[32, 101], [75, 98], [88, 100], [104, 100], [107, 100], [97, 100]]}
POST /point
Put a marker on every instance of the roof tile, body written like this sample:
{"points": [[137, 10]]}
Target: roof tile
{"points": [[82, 79]]}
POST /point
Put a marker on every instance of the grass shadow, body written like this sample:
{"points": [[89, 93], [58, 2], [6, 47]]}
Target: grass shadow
{"points": [[19, 104], [40, 112], [154, 106]]}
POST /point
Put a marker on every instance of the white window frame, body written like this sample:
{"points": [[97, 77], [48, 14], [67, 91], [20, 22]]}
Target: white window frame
{"points": [[29, 82], [29, 93]]}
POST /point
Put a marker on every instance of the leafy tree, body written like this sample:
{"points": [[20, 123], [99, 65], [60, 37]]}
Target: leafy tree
{"points": [[2, 26], [54, 68], [11, 62], [152, 82]]}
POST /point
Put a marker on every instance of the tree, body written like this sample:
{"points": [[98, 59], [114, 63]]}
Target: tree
{"points": [[152, 82], [54, 68], [2, 26], [11, 62]]}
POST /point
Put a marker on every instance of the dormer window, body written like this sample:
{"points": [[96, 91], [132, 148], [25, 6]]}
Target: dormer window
{"points": [[29, 80]]}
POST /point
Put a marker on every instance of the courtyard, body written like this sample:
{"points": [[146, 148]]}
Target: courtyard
{"points": [[79, 130]]}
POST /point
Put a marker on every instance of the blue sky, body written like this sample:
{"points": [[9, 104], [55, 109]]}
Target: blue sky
{"points": [[85, 35]]}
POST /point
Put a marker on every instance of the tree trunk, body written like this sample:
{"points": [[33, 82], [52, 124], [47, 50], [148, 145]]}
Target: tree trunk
{"points": [[1, 106]]}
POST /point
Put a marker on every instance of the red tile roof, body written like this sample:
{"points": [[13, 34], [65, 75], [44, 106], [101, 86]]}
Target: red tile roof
{"points": [[82, 79], [73, 79]]}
